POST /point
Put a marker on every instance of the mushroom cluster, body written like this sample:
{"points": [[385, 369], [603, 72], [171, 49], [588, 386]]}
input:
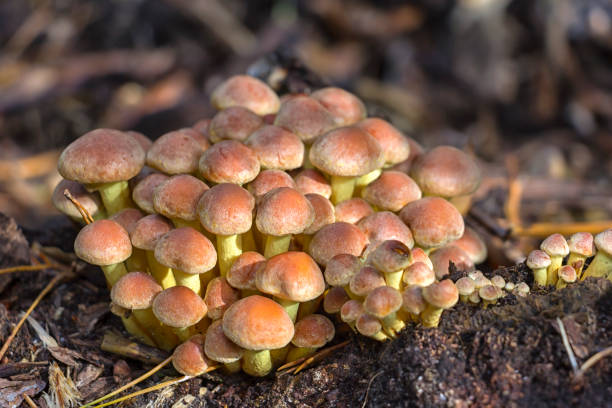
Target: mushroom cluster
{"points": [[229, 239]]}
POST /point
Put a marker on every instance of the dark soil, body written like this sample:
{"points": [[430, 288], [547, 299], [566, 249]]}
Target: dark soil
{"points": [[505, 355]]}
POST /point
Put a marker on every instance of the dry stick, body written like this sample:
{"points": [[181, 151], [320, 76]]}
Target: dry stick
{"points": [[84, 213], [593, 360], [545, 229], [29, 401], [568, 348], [25, 268], [42, 294], [309, 359], [132, 383]]}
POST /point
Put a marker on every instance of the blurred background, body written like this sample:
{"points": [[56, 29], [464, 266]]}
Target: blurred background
{"points": [[524, 85]]}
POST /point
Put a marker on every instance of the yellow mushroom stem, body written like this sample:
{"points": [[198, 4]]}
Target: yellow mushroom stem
{"points": [[276, 245], [430, 317], [229, 247], [113, 273], [257, 363], [115, 196], [162, 274], [295, 353], [137, 261], [162, 335], [600, 266], [132, 326], [190, 280], [394, 279], [540, 276], [342, 188], [551, 271]]}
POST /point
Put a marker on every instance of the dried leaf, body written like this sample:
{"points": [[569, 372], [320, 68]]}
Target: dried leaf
{"points": [[11, 392]]}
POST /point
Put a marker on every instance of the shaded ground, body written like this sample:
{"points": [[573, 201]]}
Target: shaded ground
{"points": [[506, 355]]}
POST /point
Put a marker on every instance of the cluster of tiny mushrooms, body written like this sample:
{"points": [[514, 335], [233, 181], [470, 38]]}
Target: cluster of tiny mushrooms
{"points": [[223, 241]]}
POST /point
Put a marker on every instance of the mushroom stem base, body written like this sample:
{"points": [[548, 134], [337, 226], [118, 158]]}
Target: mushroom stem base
{"points": [[229, 247], [113, 273], [183, 333], [540, 276], [276, 245], [430, 317], [115, 196], [132, 327], [342, 188], [257, 363]]}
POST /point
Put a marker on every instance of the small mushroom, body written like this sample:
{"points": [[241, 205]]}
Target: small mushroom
{"points": [[334, 239], [538, 261], [311, 333], [566, 275], [391, 258], [248, 92], [90, 201], [177, 199], [219, 348], [346, 108], [581, 247], [176, 152], [189, 359], [601, 265], [418, 274], [383, 303], [391, 191], [144, 236], [233, 123], [556, 247], [180, 308], [438, 296]]}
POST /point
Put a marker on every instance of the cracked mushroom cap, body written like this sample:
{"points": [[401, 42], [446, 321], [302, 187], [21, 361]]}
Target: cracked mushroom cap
{"points": [[291, 276], [309, 181], [234, 123], [142, 194], [446, 171], [412, 300], [305, 117], [283, 211], [555, 245], [419, 274], [473, 245], [537, 259], [442, 257], [313, 331], [219, 296], [127, 218], [395, 145], [347, 151], [334, 299], [148, 230], [268, 180], [178, 197], [353, 210], [382, 301], [229, 161], [135, 291], [244, 269], [366, 280], [189, 359], [103, 242], [187, 250], [391, 191], [334, 239], [603, 241], [384, 226], [218, 347], [258, 323], [351, 310], [276, 148], [176, 152], [101, 156], [390, 256], [433, 221], [443, 294], [226, 209], [582, 243], [346, 108], [323, 212], [341, 268], [248, 92], [90, 201], [179, 307]]}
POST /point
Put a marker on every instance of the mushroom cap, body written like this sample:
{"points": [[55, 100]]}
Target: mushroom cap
{"points": [[258, 323], [603, 241], [522, 288], [309, 181], [176, 152], [383, 226], [334, 299], [187, 250], [142, 140], [219, 296], [276, 148], [442, 257], [90, 201], [189, 359], [142, 194], [135, 291], [334, 239], [581, 243], [419, 274], [391, 191], [351, 310], [537, 259], [416, 150], [433, 221], [148, 230], [283, 211], [178, 197], [353, 210], [346, 108], [226, 209], [498, 281], [555, 245], [101, 156], [127, 218], [246, 91], [179, 307], [341, 268], [269, 180], [480, 280], [446, 171], [465, 286], [103, 242], [313, 331], [567, 273], [218, 347], [229, 161], [305, 117], [395, 146], [243, 271], [412, 300], [473, 245], [366, 280], [323, 212], [443, 294], [382, 301], [368, 325], [233, 123], [418, 255], [490, 292], [201, 126], [346, 151], [291, 276], [390, 256]]}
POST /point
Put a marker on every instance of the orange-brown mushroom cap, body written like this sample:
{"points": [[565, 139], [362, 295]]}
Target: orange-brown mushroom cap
{"points": [[346, 108], [366, 280], [473, 245], [334, 299], [178, 197], [187, 250], [219, 296], [127, 218], [103, 242], [142, 194], [391, 191], [433, 221], [229, 161], [226, 209], [244, 269], [383, 226], [246, 91], [309, 181], [276, 148], [234, 123], [353, 210], [382, 301], [313, 331], [148, 230], [323, 212], [334, 239], [176, 152], [442, 294], [189, 359], [283, 211], [291, 276], [135, 291], [218, 347], [268, 180], [341, 268], [90, 201], [581, 243], [442, 257], [305, 117], [179, 307], [395, 145]]}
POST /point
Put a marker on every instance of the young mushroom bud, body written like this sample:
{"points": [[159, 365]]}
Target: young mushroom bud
{"points": [[556, 247], [538, 261], [601, 265], [334, 239], [334, 299], [413, 302], [465, 286], [370, 326], [382, 303], [581, 247], [418, 274], [311, 333], [219, 348], [391, 258], [489, 294], [189, 359], [365, 281], [350, 312], [180, 308], [439, 296], [566, 274]]}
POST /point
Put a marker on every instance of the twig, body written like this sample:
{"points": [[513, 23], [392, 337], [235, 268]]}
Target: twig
{"points": [[117, 344], [84, 213], [146, 390], [365, 398], [42, 294], [132, 383], [544, 229], [568, 348], [25, 268], [304, 361], [593, 360], [29, 401]]}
